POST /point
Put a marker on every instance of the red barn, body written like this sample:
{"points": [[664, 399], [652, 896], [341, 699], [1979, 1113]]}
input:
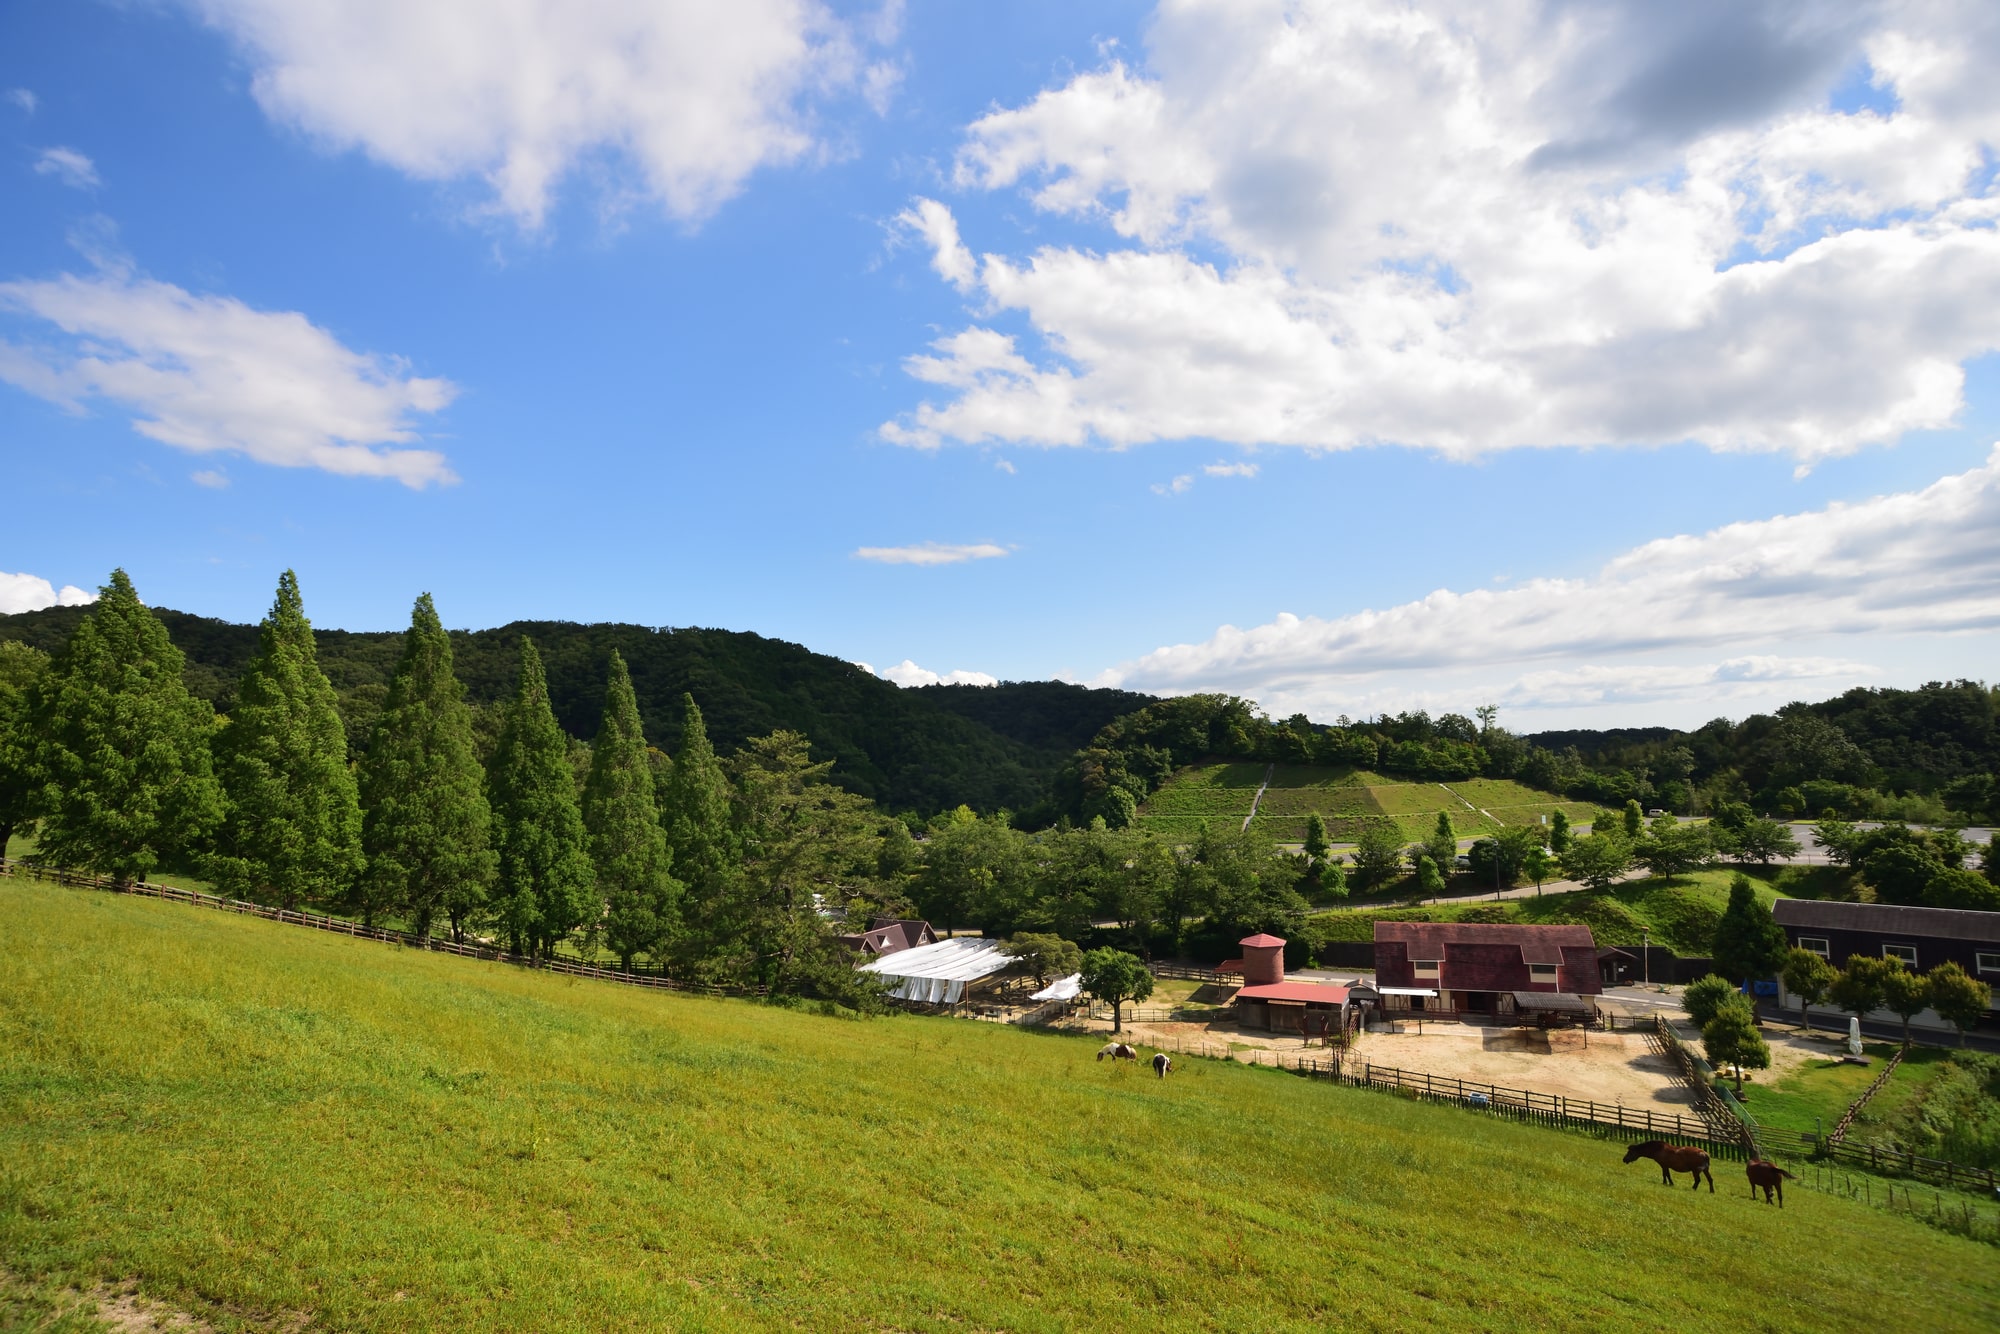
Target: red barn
{"points": [[1475, 967]]}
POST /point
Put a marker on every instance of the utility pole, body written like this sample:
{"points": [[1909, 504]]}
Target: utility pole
{"points": [[1646, 953]]}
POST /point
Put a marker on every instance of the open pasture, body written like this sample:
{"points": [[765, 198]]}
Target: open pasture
{"points": [[263, 1125]]}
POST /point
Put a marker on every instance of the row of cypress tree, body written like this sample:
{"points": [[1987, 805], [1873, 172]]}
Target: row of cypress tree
{"points": [[127, 773]]}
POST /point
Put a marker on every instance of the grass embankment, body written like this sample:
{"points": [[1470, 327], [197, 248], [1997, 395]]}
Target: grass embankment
{"points": [[1680, 914], [261, 1122], [1345, 797], [1818, 1093]]}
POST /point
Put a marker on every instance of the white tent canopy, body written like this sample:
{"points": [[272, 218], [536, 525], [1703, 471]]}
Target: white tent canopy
{"points": [[938, 973], [1063, 988]]}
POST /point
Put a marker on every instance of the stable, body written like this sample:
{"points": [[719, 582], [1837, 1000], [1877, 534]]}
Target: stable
{"points": [[1267, 1001], [1485, 968]]}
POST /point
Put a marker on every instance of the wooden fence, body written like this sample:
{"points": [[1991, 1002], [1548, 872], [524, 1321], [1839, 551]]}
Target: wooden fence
{"points": [[345, 927], [1846, 1121], [1189, 973], [1729, 1117]]}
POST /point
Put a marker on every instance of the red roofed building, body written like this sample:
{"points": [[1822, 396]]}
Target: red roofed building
{"points": [[1477, 967], [1268, 1001], [889, 936]]}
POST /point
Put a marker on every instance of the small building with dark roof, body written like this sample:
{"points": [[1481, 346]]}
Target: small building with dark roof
{"points": [[1922, 938], [1481, 968]]}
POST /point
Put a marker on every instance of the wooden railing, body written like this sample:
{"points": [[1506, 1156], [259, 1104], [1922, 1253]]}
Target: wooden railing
{"points": [[1728, 1116], [1846, 1122], [347, 927]]}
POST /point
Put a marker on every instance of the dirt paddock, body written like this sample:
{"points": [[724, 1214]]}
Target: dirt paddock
{"points": [[1601, 1067]]}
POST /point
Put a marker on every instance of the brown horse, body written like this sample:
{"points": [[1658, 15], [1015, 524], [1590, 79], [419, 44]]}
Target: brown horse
{"points": [[1674, 1158], [1117, 1051], [1767, 1175]]}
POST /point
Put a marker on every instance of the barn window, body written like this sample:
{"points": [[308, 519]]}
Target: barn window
{"points": [[1907, 953], [1816, 944], [1427, 968], [1542, 972], [1987, 963]]}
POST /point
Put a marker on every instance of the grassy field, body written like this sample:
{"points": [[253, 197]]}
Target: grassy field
{"points": [[1345, 797], [1818, 1093], [261, 1124], [1680, 914]]}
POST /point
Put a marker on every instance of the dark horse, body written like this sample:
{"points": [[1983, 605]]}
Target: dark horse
{"points": [[1674, 1158], [1767, 1175]]}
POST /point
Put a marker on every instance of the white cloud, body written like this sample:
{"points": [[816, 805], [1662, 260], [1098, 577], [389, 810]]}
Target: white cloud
{"points": [[211, 478], [209, 373], [24, 99], [933, 223], [1230, 469], [31, 592], [1648, 624], [1003, 465], [907, 674], [1179, 486], [931, 553], [675, 101], [68, 166], [1469, 227]]}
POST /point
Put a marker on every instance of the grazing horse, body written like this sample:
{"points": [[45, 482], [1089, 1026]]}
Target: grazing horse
{"points": [[1163, 1064], [1117, 1051], [1767, 1175], [1674, 1158]]}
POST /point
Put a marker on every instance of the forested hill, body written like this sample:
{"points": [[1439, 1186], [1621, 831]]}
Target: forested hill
{"points": [[926, 750]]}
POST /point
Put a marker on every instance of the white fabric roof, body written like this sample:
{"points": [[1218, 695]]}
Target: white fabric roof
{"points": [[1063, 988], [938, 973], [1407, 991]]}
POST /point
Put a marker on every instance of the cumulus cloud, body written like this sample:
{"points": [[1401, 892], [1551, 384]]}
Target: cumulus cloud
{"points": [[1483, 226], [209, 374], [672, 100], [931, 553], [907, 674], [31, 592], [1920, 562], [68, 166]]}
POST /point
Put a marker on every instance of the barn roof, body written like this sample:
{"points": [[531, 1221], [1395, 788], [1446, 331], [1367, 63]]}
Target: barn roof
{"points": [[1889, 919], [1312, 993], [1538, 944]]}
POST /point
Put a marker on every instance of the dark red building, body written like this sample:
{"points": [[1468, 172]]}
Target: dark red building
{"points": [[889, 936], [1478, 968]]}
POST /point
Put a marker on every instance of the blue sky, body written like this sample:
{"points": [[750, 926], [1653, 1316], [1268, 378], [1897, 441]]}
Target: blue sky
{"points": [[1390, 336]]}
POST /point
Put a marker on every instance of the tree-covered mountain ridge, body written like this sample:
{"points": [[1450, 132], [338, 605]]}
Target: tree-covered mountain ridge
{"points": [[910, 750]]}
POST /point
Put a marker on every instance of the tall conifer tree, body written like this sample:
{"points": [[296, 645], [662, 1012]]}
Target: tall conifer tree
{"points": [[121, 748], [425, 822], [695, 808], [545, 870], [626, 841], [291, 827]]}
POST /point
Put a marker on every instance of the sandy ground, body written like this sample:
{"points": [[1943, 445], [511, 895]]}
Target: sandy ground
{"points": [[1601, 1067]]}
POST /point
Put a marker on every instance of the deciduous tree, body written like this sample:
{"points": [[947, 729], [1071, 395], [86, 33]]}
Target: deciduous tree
{"points": [[1807, 976], [21, 672], [695, 811], [545, 877], [1044, 956], [425, 824], [1730, 1037], [291, 829], [1858, 988], [1959, 997], [1598, 860], [1704, 996], [1114, 977], [121, 748], [1905, 993]]}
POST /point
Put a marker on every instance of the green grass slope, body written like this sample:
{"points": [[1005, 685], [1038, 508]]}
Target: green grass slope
{"points": [[261, 1123]]}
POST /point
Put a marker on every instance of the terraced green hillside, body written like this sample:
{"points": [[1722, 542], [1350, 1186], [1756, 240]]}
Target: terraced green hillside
{"points": [[1679, 914], [1345, 797], [270, 1127]]}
